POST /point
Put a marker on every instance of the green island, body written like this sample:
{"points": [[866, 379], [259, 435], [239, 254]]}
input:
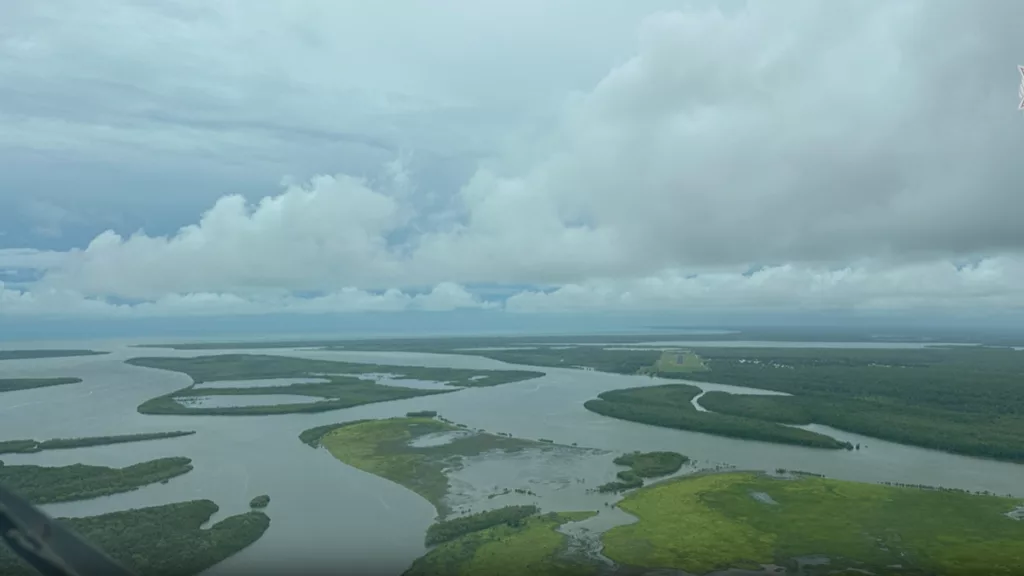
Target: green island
{"points": [[45, 484], [33, 354], [383, 448], [29, 446], [717, 521], [261, 501], [164, 540], [13, 384], [643, 465], [670, 406], [530, 545], [343, 389], [451, 529]]}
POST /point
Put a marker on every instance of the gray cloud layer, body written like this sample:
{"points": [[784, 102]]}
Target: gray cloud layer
{"points": [[856, 149]]}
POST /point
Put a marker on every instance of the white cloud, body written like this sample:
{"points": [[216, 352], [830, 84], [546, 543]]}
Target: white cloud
{"points": [[854, 147]]}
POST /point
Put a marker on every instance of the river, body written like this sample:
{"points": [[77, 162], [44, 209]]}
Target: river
{"points": [[326, 514]]}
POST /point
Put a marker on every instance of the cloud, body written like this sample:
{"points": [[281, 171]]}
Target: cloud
{"points": [[66, 303], [991, 283], [848, 152]]}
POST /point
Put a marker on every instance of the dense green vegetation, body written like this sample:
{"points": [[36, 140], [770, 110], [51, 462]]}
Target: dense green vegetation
{"points": [[669, 405], [160, 541], [533, 546], [704, 523], [42, 484], [12, 384], [26, 446], [313, 436], [33, 354], [676, 362], [382, 447], [261, 501], [261, 366], [643, 465], [343, 389], [421, 414], [452, 529], [653, 464], [968, 400]]}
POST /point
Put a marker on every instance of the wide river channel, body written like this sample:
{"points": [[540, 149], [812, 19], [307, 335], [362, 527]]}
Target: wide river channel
{"points": [[325, 513]]}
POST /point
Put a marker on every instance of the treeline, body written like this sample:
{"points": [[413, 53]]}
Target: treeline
{"points": [[264, 366], [965, 400], [12, 384], [36, 354], [162, 540], [44, 485], [421, 414], [671, 406], [28, 446], [346, 396], [653, 464], [452, 529]]}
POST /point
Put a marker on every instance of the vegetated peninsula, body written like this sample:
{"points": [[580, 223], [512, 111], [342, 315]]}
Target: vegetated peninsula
{"points": [[388, 449], [959, 399], [529, 545], [746, 520], [643, 465], [13, 384], [670, 406], [164, 540], [44, 484], [29, 446], [31, 354], [347, 384]]}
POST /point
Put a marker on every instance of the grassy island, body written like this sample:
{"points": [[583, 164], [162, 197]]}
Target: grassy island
{"points": [[700, 524], [347, 384], [13, 384], [162, 540], [261, 501], [531, 545], [43, 484], [388, 449], [28, 446]]}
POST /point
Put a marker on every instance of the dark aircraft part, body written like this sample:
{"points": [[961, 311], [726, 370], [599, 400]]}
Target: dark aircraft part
{"points": [[48, 546]]}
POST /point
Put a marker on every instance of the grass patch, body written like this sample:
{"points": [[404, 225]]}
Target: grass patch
{"points": [[43, 485], [452, 529], [261, 501], [670, 406], [32, 354], [13, 384], [343, 389], [382, 447], [711, 522], [677, 362], [27, 446], [161, 540], [531, 547]]}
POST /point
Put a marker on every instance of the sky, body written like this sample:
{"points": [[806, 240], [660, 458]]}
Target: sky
{"points": [[224, 158]]}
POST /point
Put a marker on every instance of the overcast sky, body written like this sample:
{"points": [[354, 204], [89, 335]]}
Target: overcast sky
{"points": [[209, 157]]}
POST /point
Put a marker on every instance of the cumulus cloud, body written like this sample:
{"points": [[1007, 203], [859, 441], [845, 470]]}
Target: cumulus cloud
{"points": [[848, 151]]}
